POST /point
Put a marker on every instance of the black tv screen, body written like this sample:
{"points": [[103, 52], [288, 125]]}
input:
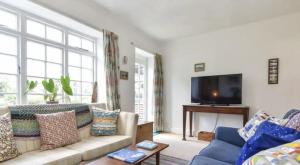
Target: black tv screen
{"points": [[221, 89]]}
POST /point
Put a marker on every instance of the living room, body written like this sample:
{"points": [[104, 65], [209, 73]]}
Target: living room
{"points": [[120, 75]]}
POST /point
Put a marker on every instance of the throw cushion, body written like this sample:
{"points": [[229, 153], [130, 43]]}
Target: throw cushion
{"points": [[57, 129], [104, 122], [8, 148], [288, 154], [294, 122], [249, 129], [25, 125], [268, 135]]}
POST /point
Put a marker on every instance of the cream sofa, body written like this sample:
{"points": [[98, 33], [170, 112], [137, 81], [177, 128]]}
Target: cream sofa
{"points": [[89, 148]]}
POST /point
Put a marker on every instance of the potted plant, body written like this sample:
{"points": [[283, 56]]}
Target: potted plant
{"points": [[30, 85], [50, 91], [65, 83]]}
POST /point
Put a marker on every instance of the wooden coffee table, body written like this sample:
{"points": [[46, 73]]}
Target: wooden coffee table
{"points": [[110, 161]]}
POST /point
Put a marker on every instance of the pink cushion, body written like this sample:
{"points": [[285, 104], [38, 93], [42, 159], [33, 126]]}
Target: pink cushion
{"points": [[294, 122], [57, 129]]}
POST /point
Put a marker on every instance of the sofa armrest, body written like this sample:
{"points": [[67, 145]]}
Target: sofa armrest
{"points": [[127, 124], [229, 135]]}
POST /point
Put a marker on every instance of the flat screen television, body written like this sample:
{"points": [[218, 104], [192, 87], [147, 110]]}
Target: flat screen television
{"points": [[217, 90]]}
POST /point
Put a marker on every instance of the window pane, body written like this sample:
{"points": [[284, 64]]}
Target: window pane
{"points": [[88, 45], [86, 99], [7, 99], [87, 62], [74, 73], [39, 89], [8, 64], [35, 50], [35, 68], [76, 87], [87, 75], [8, 84], [54, 54], [87, 88], [35, 99], [74, 59], [8, 44], [54, 70], [35, 28], [54, 34], [8, 20], [74, 41], [75, 99]]}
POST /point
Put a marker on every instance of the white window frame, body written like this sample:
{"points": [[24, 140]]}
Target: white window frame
{"points": [[23, 36]]}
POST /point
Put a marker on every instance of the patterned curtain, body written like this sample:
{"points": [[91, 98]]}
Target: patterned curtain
{"points": [[158, 94], [112, 70]]}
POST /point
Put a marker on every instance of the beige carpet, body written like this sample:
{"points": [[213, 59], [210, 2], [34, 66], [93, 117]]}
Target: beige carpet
{"points": [[179, 148]]}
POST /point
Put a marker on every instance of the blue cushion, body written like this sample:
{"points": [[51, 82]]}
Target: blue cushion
{"points": [[221, 151], [202, 160], [229, 135], [104, 122], [267, 135]]}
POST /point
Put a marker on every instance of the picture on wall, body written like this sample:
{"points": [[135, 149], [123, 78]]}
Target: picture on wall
{"points": [[200, 67], [273, 70], [123, 75]]}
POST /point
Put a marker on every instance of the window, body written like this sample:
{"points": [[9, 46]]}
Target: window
{"points": [[144, 64], [33, 48], [140, 89]]}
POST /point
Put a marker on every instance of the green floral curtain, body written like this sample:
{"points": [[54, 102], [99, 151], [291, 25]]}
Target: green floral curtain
{"points": [[158, 94], [112, 69]]}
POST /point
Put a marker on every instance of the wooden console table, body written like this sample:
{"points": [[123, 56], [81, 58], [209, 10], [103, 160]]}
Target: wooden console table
{"points": [[240, 110]]}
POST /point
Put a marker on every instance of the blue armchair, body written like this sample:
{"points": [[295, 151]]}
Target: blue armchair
{"points": [[223, 150]]}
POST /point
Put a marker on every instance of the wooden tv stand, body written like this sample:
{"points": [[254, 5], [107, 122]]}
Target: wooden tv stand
{"points": [[239, 110]]}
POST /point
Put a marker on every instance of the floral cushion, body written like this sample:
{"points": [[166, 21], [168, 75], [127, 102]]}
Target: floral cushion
{"points": [[8, 148], [287, 154], [249, 129], [104, 122], [57, 129], [294, 122]]}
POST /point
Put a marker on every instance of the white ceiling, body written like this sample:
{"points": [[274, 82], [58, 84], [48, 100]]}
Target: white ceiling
{"points": [[173, 19]]}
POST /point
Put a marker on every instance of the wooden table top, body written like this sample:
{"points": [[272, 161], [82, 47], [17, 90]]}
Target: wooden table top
{"points": [[110, 161]]}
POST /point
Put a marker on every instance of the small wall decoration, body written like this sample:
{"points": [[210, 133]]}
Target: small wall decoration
{"points": [[123, 75], [273, 74], [125, 60], [200, 67]]}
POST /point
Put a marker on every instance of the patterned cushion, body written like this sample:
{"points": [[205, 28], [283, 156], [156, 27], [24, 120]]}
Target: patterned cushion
{"points": [[57, 129], [249, 130], [294, 122], [24, 121], [8, 148], [104, 122], [287, 154]]}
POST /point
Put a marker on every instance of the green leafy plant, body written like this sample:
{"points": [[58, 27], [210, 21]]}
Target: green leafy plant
{"points": [[51, 90], [30, 85], [65, 83]]}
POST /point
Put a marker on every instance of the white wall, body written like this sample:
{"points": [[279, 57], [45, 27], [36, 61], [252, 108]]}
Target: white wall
{"points": [[89, 13], [244, 49]]}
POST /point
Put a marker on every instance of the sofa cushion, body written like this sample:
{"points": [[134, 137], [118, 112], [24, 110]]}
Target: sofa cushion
{"points": [[57, 129], [104, 122], [221, 151], [8, 148], [202, 160], [93, 147], [58, 156]]}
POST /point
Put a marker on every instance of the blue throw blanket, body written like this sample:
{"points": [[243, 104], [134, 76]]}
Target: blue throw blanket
{"points": [[267, 135]]}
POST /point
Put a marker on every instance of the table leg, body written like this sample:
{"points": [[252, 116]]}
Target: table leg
{"points": [[157, 158], [184, 123], [191, 123], [245, 117]]}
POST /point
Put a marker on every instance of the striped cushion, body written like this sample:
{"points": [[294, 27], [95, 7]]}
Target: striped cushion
{"points": [[104, 122], [24, 120]]}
